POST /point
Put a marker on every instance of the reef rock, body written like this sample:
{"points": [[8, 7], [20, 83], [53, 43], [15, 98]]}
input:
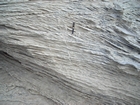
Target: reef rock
{"points": [[46, 59]]}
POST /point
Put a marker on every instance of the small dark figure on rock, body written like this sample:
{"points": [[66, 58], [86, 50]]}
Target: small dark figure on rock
{"points": [[73, 25]]}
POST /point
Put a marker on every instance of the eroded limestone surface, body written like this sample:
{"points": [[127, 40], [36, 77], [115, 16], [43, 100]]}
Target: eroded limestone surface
{"points": [[43, 63]]}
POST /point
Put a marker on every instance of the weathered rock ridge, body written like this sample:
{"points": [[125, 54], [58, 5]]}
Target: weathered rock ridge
{"points": [[43, 63]]}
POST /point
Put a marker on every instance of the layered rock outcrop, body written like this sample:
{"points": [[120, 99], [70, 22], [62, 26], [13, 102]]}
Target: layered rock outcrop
{"points": [[43, 63]]}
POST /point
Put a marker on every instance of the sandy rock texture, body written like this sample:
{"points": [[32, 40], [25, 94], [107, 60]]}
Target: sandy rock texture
{"points": [[43, 63]]}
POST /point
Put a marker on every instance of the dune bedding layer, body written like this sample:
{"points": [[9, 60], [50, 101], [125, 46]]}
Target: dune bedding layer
{"points": [[43, 63]]}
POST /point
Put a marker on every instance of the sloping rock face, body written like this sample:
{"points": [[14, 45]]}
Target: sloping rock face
{"points": [[43, 63]]}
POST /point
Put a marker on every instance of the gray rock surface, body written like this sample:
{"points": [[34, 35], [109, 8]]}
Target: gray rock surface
{"points": [[43, 63]]}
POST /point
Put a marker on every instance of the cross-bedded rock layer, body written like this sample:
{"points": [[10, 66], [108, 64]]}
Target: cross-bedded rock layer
{"points": [[43, 63]]}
